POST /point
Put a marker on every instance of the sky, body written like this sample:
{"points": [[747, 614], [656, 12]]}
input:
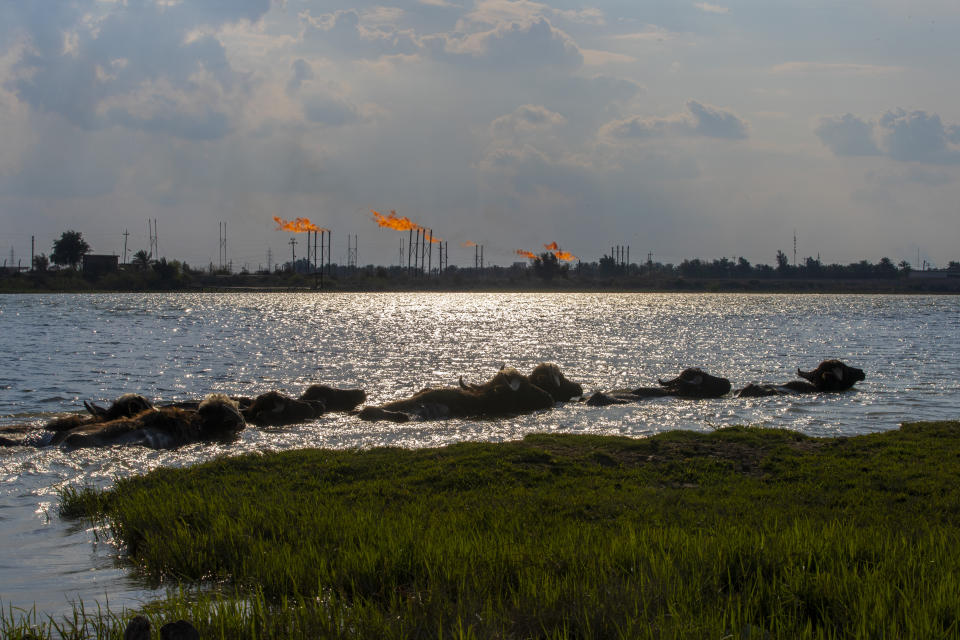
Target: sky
{"points": [[680, 129]]}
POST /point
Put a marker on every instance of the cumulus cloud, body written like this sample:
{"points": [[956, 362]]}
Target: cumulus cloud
{"points": [[509, 45], [359, 35], [528, 118], [918, 136], [699, 120], [847, 135], [914, 136], [93, 60]]}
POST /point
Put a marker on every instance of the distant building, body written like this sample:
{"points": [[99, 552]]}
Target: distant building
{"points": [[96, 265]]}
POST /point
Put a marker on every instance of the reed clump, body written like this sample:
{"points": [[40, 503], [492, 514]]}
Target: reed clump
{"points": [[742, 532]]}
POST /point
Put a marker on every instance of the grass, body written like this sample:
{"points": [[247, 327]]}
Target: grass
{"points": [[738, 533]]}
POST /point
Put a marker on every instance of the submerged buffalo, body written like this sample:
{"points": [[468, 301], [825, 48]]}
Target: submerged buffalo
{"points": [[830, 375], [275, 409], [691, 383], [508, 392], [216, 418]]}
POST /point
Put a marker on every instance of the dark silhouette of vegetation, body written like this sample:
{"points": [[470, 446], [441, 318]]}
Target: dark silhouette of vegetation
{"points": [[69, 249], [546, 266], [141, 260], [41, 262], [545, 271]]}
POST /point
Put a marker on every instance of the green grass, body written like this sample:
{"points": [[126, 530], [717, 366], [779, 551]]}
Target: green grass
{"points": [[742, 532]]}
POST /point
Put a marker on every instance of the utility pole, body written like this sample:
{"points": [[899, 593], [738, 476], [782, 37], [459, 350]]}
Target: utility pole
{"points": [[794, 247], [352, 251], [126, 234], [430, 258], [31, 252], [223, 245], [269, 260], [293, 255]]}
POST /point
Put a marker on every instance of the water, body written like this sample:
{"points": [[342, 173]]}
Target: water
{"points": [[58, 350]]}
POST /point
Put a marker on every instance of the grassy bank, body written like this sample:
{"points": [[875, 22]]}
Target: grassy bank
{"points": [[737, 533]]}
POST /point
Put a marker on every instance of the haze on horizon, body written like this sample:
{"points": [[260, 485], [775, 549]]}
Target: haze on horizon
{"points": [[685, 129]]}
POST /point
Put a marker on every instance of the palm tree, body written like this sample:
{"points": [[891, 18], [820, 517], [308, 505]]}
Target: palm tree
{"points": [[141, 259]]}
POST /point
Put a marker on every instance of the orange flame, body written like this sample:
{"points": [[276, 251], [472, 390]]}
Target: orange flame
{"points": [[300, 225], [557, 251], [526, 254], [393, 221], [435, 239], [468, 243]]}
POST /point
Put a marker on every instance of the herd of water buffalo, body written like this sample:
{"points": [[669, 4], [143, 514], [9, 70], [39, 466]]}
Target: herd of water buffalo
{"points": [[132, 419]]}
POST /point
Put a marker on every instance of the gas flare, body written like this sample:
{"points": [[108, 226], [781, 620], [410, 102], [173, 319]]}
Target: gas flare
{"points": [[393, 221], [400, 223], [300, 225], [468, 243], [526, 254], [566, 256]]}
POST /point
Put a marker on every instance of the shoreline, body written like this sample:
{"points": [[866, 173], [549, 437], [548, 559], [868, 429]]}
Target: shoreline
{"points": [[740, 531]]}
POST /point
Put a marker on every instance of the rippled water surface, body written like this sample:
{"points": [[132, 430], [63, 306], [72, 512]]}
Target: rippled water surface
{"points": [[58, 350]]}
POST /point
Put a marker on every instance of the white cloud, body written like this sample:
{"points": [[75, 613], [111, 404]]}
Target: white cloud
{"points": [[510, 46], [699, 120], [847, 135], [524, 119]]}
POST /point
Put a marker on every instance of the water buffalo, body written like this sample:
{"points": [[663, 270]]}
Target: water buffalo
{"points": [[508, 392], [830, 375], [691, 383], [550, 378], [334, 399], [275, 409], [217, 418]]}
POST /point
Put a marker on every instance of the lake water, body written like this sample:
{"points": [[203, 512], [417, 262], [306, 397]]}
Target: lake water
{"points": [[59, 350]]}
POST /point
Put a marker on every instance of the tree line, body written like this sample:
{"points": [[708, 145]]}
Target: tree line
{"points": [[69, 249]]}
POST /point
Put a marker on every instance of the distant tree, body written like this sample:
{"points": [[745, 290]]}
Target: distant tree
{"points": [[69, 249], [168, 271], [783, 262], [141, 260], [886, 269], [41, 262], [743, 268], [546, 266], [905, 266], [812, 267], [608, 266], [953, 265]]}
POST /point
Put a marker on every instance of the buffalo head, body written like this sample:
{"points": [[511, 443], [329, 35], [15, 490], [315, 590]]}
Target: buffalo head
{"points": [[832, 375], [126, 406], [550, 378], [696, 383], [509, 391], [334, 399], [274, 408]]}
